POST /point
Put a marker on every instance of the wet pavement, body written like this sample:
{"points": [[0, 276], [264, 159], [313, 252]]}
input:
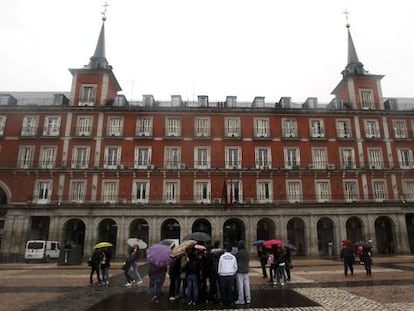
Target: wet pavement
{"points": [[317, 284]]}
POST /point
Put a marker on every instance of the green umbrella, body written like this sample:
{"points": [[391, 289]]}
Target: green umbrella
{"points": [[103, 244]]}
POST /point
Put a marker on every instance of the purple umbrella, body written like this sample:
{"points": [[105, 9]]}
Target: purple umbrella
{"points": [[159, 255]]}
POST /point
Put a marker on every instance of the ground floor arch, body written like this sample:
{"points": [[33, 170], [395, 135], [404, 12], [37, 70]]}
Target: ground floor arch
{"points": [[265, 229], [296, 235], [233, 231], [384, 235], [325, 231]]}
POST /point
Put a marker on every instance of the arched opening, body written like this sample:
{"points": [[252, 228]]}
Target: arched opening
{"points": [[170, 229], [409, 219], [296, 235], [354, 230], [325, 237], [233, 231], [74, 233], [265, 229], [139, 229], [107, 232], [384, 236], [201, 225]]}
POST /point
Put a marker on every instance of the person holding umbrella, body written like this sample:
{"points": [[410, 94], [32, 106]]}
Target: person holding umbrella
{"points": [[131, 267], [105, 264], [94, 263]]}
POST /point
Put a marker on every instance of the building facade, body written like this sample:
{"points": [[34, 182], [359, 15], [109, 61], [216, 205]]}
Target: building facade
{"points": [[90, 166]]}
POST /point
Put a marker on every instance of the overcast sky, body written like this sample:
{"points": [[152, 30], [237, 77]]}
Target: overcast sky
{"points": [[270, 48]]}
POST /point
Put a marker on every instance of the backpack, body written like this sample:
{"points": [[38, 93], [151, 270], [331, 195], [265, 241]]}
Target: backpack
{"points": [[90, 261]]}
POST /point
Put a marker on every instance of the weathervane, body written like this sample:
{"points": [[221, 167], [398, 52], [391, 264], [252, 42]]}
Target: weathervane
{"points": [[104, 11], [346, 16]]}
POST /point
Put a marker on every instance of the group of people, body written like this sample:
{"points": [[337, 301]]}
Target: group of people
{"points": [[278, 260], [100, 263], [214, 274], [348, 257]]}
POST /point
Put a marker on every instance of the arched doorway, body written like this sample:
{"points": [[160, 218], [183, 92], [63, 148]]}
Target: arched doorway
{"points": [[354, 230], [170, 229], [139, 229], [265, 229], [296, 235], [325, 237], [74, 233], [384, 235], [233, 231], [201, 225], [409, 219], [107, 232]]}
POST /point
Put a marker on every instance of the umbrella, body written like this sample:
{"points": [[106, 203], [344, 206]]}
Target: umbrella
{"points": [[347, 242], [200, 247], [103, 244], [180, 249], [134, 241], [171, 243], [258, 242], [290, 246], [159, 255], [198, 236], [270, 243]]}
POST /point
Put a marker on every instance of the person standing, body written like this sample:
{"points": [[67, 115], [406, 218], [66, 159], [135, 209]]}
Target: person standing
{"points": [[288, 261], [262, 254], [366, 257], [227, 269], [131, 267], [95, 265], [192, 278], [105, 264], [156, 279], [280, 266], [347, 255], [174, 274], [242, 275]]}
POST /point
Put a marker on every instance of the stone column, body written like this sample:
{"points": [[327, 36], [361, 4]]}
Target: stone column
{"points": [[401, 235], [311, 237]]}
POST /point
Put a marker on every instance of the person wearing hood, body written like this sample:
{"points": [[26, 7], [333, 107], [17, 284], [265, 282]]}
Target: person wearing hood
{"points": [[242, 275]]}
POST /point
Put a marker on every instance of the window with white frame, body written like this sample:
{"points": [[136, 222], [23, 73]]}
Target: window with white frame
{"points": [[351, 193], [289, 128], [375, 158], [202, 191], [26, 155], [87, 95], [172, 157], [110, 191], [84, 126], [294, 191], [2, 124], [43, 191], [112, 157], [202, 158], [379, 190], [171, 191], [80, 157], [261, 128], [400, 129], [367, 99], [322, 191], [144, 127], [263, 158], [47, 157], [51, 126], [142, 159], [202, 127], [347, 158], [292, 157], [233, 157], [173, 127], [343, 128], [115, 126], [232, 127], [319, 158], [140, 192], [234, 191], [29, 127], [77, 191], [408, 189], [317, 128], [371, 129], [405, 158], [264, 191]]}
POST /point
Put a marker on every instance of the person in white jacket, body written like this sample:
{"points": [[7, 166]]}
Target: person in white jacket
{"points": [[227, 269]]}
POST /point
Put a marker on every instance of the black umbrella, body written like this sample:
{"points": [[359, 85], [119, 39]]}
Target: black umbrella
{"points": [[198, 236]]}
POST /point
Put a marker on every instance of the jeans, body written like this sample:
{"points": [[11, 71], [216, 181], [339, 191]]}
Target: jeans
{"points": [[280, 273], [155, 285], [243, 288], [227, 289], [192, 288], [94, 269], [105, 274]]}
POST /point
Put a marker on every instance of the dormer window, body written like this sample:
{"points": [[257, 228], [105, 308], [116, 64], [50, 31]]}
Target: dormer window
{"points": [[367, 99], [87, 95]]}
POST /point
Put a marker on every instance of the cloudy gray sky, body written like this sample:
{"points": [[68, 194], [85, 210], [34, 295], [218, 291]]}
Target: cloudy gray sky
{"points": [[270, 48]]}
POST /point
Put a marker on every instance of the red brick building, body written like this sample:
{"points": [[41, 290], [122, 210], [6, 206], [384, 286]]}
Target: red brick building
{"points": [[90, 165]]}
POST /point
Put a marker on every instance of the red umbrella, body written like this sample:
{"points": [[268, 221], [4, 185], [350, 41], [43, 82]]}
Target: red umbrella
{"points": [[270, 243], [347, 242]]}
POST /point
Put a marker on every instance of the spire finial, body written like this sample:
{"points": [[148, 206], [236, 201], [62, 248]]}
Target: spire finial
{"points": [[104, 11], [346, 16]]}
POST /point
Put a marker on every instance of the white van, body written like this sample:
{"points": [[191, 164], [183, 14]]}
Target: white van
{"points": [[41, 250]]}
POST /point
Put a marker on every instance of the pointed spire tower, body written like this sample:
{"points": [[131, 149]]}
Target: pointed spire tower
{"points": [[358, 89], [95, 84]]}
